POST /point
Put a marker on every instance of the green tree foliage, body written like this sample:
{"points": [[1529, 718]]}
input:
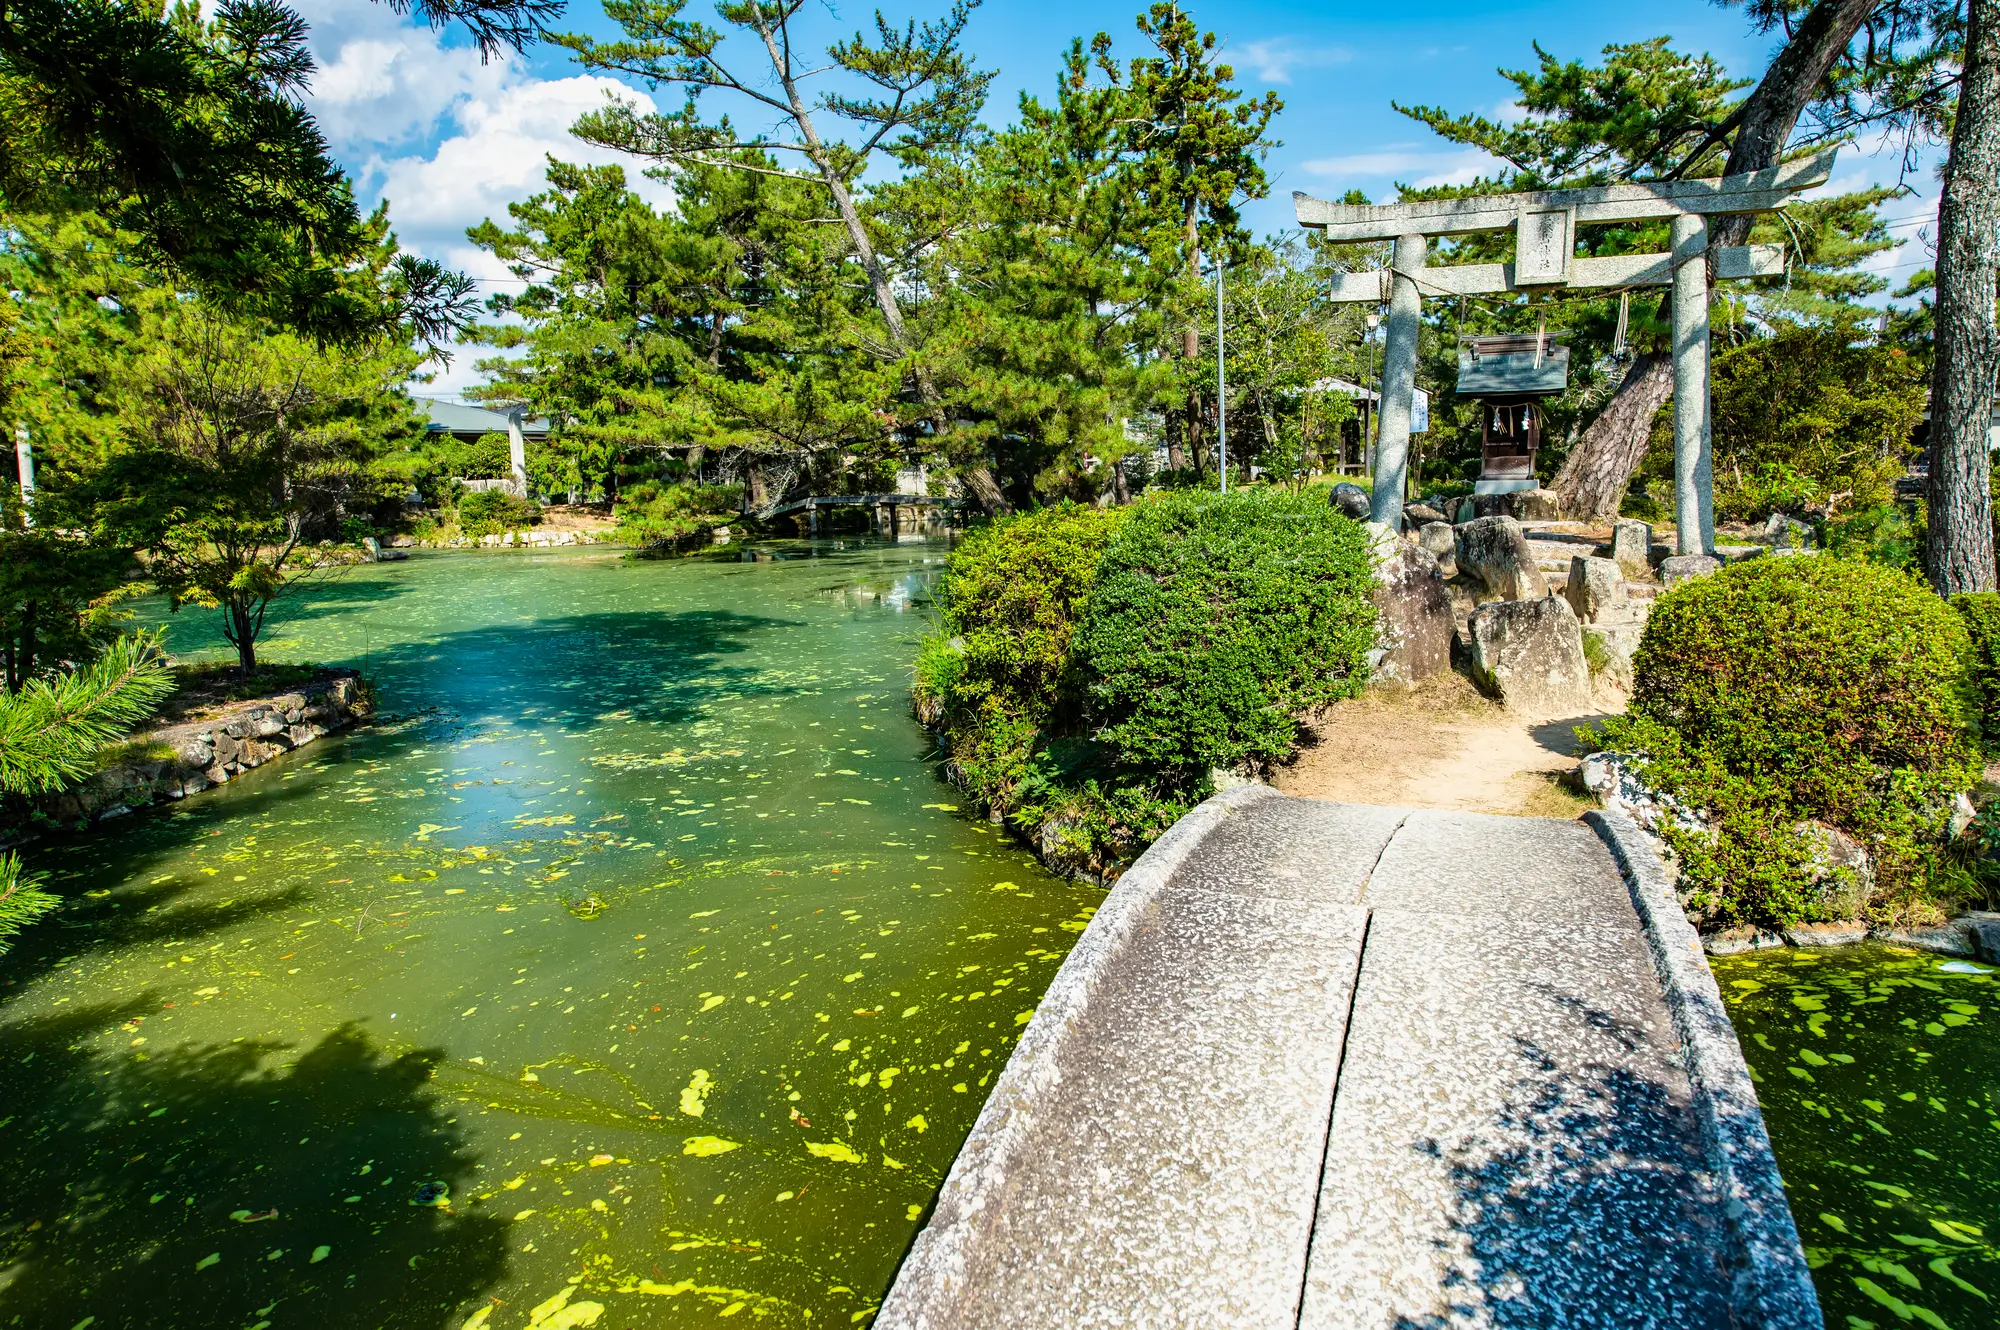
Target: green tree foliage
{"points": [[1645, 112], [193, 135], [52, 729], [1788, 691], [715, 339], [261, 442], [919, 96], [1807, 419], [661, 518]]}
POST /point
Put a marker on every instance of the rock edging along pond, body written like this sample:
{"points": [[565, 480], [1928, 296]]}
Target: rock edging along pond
{"points": [[177, 760]]}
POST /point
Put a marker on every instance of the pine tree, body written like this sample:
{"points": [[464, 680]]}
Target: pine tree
{"points": [[1199, 147], [52, 729], [924, 107]]}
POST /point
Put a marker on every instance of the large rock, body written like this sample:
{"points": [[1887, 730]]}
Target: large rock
{"points": [[1530, 653], [1421, 514], [1495, 552], [1595, 586], [1350, 499], [1788, 533], [1687, 567], [1537, 505], [1413, 628], [1441, 543], [1632, 545]]}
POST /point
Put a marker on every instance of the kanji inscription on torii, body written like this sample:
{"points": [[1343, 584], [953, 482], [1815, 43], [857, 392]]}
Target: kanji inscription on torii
{"points": [[1545, 259]]}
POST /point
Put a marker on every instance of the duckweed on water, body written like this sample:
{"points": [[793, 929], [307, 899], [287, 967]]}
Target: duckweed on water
{"points": [[1879, 1072], [641, 975]]}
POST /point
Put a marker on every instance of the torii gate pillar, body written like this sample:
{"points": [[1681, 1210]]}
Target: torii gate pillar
{"points": [[1694, 457], [1399, 384]]}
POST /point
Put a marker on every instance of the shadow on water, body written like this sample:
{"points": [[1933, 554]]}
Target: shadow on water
{"points": [[208, 1186], [662, 666], [1583, 1202], [152, 914]]}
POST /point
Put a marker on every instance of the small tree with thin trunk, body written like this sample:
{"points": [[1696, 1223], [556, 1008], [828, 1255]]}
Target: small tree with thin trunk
{"points": [[926, 96], [259, 441]]}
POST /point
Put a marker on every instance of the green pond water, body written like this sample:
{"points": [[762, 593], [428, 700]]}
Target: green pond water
{"points": [[1879, 1072], [636, 971]]}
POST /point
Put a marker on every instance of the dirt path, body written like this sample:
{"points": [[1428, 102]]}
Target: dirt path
{"points": [[1441, 744]]}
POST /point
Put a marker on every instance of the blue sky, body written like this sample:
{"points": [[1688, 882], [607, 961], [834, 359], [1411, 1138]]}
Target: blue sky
{"points": [[417, 118]]}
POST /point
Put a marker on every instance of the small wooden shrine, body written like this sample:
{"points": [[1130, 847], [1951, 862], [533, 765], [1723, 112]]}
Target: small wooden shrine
{"points": [[1508, 376]]}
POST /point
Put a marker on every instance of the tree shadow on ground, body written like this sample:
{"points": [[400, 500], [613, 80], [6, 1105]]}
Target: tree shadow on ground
{"points": [[662, 667], [1584, 1202], [1559, 736], [212, 1186]]}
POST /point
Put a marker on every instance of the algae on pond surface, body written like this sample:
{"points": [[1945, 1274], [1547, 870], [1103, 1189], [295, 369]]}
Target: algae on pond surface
{"points": [[1879, 1072], [643, 975]]}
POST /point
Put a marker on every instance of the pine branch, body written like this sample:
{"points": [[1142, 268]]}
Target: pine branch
{"points": [[22, 901], [51, 730]]}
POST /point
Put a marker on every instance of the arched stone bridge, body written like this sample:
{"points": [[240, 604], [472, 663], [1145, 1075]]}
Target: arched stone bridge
{"points": [[1325, 1065]]}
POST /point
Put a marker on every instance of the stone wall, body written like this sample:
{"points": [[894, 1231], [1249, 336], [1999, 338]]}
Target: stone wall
{"points": [[207, 752]]}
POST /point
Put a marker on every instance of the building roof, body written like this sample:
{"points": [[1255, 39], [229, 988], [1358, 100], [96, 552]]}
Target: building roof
{"points": [[1343, 387], [449, 417]]}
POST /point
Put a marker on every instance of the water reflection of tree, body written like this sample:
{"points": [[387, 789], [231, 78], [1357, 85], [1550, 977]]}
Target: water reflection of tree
{"points": [[122, 1176]]}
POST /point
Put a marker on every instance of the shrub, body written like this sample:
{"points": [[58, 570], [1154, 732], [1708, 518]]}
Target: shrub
{"points": [[1216, 619], [1786, 691], [1980, 611], [994, 675], [1092, 665], [661, 517], [490, 512]]}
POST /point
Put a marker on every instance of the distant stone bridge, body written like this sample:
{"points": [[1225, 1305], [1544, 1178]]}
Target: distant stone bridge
{"points": [[1325, 1065], [890, 514]]}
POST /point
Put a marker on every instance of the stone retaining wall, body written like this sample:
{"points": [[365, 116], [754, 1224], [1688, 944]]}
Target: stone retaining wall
{"points": [[207, 753]]}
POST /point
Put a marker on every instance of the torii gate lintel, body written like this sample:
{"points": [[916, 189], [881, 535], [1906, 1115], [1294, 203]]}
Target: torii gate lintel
{"points": [[1545, 224]]}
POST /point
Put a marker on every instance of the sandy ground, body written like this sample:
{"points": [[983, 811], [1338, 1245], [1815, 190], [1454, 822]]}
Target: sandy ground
{"points": [[1441, 744]]}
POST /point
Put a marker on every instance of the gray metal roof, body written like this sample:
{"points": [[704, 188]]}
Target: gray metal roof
{"points": [[451, 417]]}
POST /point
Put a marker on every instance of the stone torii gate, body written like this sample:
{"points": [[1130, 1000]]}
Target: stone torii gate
{"points": [[1546, 260]]}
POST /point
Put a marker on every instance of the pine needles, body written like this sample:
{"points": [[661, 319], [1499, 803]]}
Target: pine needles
{"points": [[52, 729]]}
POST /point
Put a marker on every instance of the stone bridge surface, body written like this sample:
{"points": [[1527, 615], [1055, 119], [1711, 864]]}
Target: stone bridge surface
{"points": [[1326, 1065]]}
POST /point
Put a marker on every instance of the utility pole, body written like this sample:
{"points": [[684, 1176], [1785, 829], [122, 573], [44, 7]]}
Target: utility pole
{"points": [[1221, 384], [24, 458]]}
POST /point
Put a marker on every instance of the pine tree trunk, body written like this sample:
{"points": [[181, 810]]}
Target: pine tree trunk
{"points": [[1773, 108], [1593, 479], [1769, 115], [1966, 355]]}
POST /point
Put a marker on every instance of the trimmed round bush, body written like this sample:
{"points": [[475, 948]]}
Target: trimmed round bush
{"points": [[1216, 620], [1781, 692]]}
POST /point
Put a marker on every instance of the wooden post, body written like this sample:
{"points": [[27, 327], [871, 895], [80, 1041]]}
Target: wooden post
{"points": [[1694, 503], [1399, 384]]}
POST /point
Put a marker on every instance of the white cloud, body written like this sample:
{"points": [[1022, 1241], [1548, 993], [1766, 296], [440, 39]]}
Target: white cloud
{"points": [[383, 81], [1406, 163], [499, 156], [1274, 59]]}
